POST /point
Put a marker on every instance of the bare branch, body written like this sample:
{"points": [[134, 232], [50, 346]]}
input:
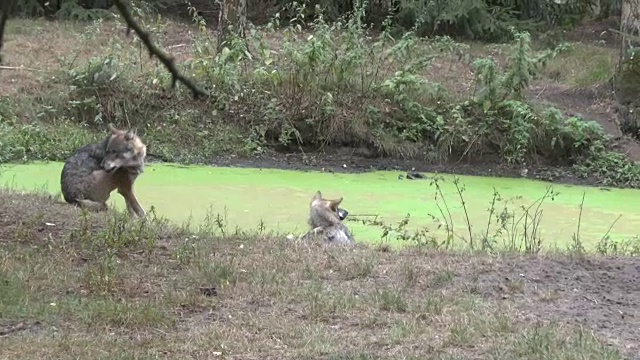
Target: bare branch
{"points": [[167, 61], [7, 5]]}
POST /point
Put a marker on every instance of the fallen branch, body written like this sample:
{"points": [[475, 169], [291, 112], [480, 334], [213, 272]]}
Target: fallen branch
{"points": [[16, 328], [167, 61], [7, 5], [17, 68]]}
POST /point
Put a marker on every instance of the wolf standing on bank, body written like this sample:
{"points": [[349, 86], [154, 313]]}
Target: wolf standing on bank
{"points": [[95, 170], [325, 220]]}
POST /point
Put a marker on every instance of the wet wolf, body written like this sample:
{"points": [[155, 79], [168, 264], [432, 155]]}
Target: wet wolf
{"points": [[325, 219], [95, 170]]}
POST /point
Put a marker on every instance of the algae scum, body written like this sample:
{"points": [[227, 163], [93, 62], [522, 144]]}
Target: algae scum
{"points": [[279, 200]]}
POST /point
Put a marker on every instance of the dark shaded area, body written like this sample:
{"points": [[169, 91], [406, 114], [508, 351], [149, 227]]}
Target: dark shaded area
{"points": [[488, 20]]}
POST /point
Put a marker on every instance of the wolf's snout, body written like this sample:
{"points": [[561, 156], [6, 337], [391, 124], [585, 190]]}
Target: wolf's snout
{"points": [[109, 167]]}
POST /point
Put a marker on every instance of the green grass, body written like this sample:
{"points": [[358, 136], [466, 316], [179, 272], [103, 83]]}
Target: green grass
{"points": [[583, 65], [279, 199]]}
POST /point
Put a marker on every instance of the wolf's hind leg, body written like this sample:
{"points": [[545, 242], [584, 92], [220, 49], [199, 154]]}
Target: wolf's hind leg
{"points": [[92, 205]]}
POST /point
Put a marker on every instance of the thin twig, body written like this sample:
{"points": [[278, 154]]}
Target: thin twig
{"points": [[466, 213], [580, 217], [610, 227], [167, 61], [7, 6]]}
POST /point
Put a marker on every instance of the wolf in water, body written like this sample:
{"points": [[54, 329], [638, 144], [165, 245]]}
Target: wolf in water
{"points": [[325, 219]]}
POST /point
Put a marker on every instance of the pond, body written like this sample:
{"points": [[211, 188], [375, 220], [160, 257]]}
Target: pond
{"points": [[279, 199]]}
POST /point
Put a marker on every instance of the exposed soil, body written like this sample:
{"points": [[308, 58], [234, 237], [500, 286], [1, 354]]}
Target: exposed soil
{"points": [[600, 293], [596, 33], [20, 213], [346, 160]]}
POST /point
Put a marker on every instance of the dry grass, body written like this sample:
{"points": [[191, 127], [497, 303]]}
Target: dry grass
{"points": [[103, 287]]}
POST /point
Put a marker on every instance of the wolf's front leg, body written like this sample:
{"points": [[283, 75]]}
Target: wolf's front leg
{"points": [[133, 206], [136, 206]]}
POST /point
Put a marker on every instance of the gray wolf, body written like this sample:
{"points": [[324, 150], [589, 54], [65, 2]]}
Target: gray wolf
{"points": [[325, 220], [95, 170]]}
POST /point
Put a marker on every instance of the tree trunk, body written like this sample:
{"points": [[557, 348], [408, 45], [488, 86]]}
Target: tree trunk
{"points": [[231, 10], [241, 17], [627, 79], [223, 23], [630, 18]]}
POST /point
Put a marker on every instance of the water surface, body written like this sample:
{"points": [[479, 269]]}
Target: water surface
{"points": [[280, 199]]}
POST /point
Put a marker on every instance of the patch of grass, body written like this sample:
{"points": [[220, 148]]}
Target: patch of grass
{"points": [[111, 313], [442, 278], [24, 142], [557, 341], [583, 65], [391, 299], [266, 296]]}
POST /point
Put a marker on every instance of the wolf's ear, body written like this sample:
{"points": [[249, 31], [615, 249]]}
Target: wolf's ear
{"points": [[333, 204], [130, 134], [112, 128], [317, 196]]}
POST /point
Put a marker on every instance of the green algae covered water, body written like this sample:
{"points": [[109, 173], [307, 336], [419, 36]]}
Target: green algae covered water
{"points": [[279, 199]]}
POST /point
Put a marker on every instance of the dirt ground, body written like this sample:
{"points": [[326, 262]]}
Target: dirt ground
{"points": [[599, 293], [365, 303]]}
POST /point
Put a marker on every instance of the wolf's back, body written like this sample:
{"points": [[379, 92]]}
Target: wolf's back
{"points": [[334, 234], [75, 173], [339, 234]]}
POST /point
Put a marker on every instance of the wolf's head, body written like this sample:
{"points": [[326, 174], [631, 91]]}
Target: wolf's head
{"points": [[124, 149], [328, 207], [319, 201], [325, 219]]}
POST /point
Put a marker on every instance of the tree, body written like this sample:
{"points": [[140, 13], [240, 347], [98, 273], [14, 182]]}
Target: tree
{"points": [[237, 11], [627, 77], [7, 5]]}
